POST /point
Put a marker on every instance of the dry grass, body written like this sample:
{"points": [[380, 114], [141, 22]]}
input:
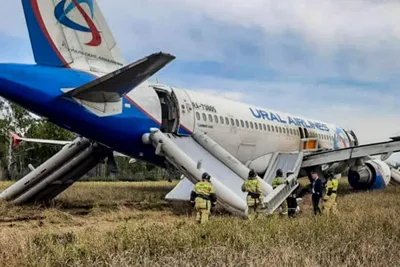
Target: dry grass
{"points": [[130, 224]]}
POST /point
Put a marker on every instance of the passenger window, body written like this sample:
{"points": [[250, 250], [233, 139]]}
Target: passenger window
{"points": [[232, 122], [284, 130], [237, 122], [197, 116], [247, 124], [272, 128], [276, 128], [221, 119], [251, 125], [216, 118], [204, 117], [256, 126], [210, 118], [242, 123], [269, 128], [226, 121], [280, 130], [265, 128]]}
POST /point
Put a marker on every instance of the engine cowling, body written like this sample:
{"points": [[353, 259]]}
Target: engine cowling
{"points": [[374, 174]]}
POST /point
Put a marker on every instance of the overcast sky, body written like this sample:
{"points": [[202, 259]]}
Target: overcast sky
{"points": [[332, 60]]}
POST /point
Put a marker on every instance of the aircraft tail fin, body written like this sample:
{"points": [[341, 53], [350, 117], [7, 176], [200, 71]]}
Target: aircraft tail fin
{"points": [[72, 34]]}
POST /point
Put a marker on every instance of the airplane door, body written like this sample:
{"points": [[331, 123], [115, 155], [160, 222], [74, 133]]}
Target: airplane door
{"points": [[306, 133], [301, 133], [186, 112]]}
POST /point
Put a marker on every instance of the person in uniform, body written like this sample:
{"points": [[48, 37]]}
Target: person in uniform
{"points": [[203, 197], [278, 180], [292, 200], [330, 206], [254, 195]]}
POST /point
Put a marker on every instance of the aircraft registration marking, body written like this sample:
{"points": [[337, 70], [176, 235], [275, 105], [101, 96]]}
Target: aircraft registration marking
{"points": [[205, 107]]}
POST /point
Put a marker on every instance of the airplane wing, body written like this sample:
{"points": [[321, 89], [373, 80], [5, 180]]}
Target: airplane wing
{"points": [[383, 148], [112, 86], [18, 139]]}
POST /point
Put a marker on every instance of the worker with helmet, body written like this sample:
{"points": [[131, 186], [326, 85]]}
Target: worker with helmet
{"points": [[203, 197], [278, 180], [254, 195], [331, 193], [291, 200]]}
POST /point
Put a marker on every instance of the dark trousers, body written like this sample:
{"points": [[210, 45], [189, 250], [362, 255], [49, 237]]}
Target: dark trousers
{"points": [[315, 201], [292, 205]]}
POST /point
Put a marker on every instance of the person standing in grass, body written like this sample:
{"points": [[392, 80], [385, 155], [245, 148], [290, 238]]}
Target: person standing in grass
{"points": [[254, 195], [203, 197], [316, 188], [278, 180], [331, 193], [292, 200]]}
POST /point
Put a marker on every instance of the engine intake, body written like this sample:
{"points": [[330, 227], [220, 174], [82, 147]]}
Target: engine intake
{"points": [[374, 174]]}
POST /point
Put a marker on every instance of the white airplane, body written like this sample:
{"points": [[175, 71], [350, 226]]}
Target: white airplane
{"points": [[81, 83]]}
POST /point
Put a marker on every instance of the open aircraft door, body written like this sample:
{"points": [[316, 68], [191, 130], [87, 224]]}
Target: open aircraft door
{"points": [[186, 112]]}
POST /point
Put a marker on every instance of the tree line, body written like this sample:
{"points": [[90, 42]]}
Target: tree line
{"points": [[15, 160]]}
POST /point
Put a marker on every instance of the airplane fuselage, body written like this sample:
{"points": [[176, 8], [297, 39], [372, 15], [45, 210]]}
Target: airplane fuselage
{"points": [[245, 131]]}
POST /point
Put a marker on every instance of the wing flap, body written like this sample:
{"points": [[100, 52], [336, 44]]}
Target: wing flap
{"points": [[344, 154]]}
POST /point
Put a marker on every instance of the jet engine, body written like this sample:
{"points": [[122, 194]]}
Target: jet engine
{"points": [[373, 174]]}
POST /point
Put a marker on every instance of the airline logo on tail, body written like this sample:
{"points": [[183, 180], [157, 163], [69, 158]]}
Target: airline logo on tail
{"points": [[62, 10]]}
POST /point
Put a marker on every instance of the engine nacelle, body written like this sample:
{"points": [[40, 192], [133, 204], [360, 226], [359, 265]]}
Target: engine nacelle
{"points": [[374, 174]]}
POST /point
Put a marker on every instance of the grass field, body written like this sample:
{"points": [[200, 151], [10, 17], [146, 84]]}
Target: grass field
{"points": [[130, 224]]}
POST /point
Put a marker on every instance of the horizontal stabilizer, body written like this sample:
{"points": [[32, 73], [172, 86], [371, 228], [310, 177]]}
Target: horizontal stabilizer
{"points": [[18, 139], [110, 87]]}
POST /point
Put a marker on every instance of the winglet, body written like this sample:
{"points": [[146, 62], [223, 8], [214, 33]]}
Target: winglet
{"points": [[16, 139]]}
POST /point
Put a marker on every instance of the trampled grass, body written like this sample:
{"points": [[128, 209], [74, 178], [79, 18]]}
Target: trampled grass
{"points": [[130, 224]]}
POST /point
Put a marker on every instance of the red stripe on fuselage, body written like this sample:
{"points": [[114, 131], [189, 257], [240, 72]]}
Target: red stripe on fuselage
{"points": [[142, 110], [186, 129]]}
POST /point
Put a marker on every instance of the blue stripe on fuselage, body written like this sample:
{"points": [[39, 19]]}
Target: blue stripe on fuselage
{"points": [[37, 88]]}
